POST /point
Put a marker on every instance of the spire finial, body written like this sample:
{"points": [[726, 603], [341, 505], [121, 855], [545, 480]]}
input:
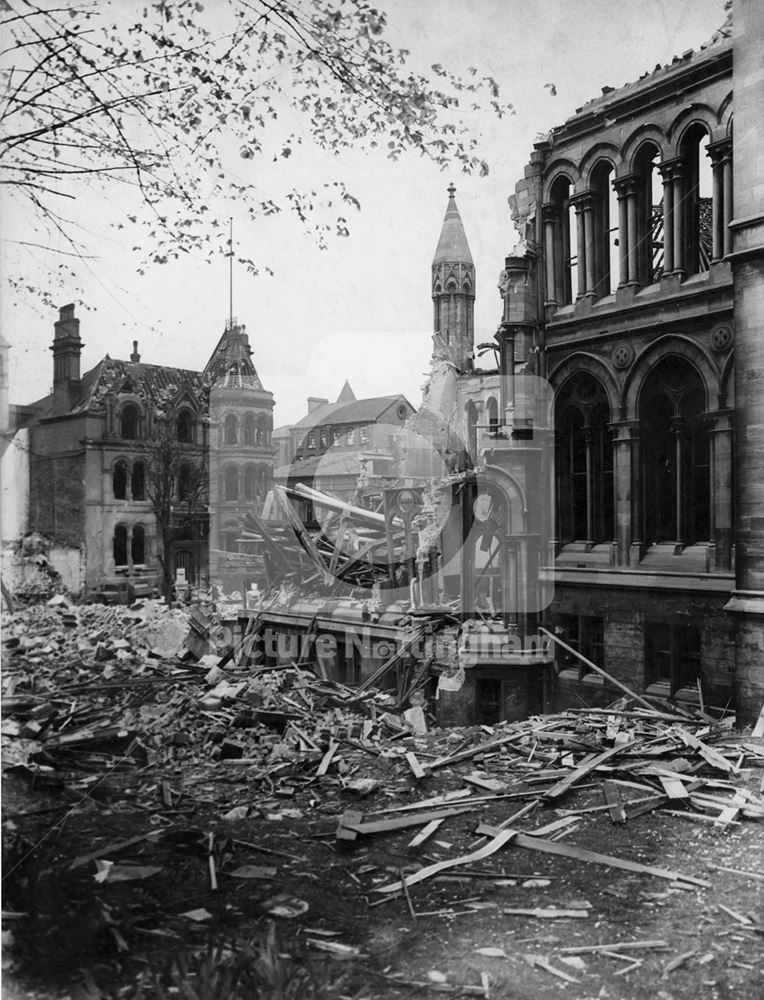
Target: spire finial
{"points": [[451, 190], [230, 274]]}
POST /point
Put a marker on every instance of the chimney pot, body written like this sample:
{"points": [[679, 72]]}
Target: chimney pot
{"points": [[135, 356]]}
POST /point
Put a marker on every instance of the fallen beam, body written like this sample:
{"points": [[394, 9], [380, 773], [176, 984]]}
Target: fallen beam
{"points": [[593, 666], [593, 857]]}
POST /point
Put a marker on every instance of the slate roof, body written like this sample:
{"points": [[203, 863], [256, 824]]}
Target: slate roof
{"points": [[452, 245], [156, 384], [230, 366], [361, 411]]}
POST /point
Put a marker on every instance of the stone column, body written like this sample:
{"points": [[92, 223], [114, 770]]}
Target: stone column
{"points": [[666, 172], [721, 487], [678, 215], [580, 249], [625, 437], [633, 232], [591, 274], [623, 234], [716, 154], [677, 425], [747, 263], [727, 196], [589, 486], [549, 214]]}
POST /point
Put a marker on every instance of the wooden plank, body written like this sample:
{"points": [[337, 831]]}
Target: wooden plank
{"points": [[593, 666], [487, 784], [710, 756], [730, 813], [345, 829], [387, 825], [581, 854], [617, 946], [327, 759], [428, 831], [674, 788], [614, 802], [416, 768], [641, 806], [545, 913], [582, 770], [495, 844], [473, 751]]}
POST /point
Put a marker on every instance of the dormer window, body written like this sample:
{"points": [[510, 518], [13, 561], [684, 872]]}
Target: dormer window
{"points": [[129, 421], [185, 427]]}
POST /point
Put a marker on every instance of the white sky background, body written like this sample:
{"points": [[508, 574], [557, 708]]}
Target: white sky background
{"points": [[361, 309]]}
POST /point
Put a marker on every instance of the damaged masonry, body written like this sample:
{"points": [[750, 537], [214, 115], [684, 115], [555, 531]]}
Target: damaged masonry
{"points": [[461, 699]]}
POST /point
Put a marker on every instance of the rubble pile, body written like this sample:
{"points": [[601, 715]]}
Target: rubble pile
{"points": [[104, 711]]}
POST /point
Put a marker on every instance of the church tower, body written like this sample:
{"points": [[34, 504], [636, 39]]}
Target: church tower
{"points": [[453, 290]]}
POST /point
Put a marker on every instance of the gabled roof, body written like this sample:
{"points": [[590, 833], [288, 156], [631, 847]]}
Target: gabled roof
{"points": [[360, 411], [156, 384], [346, 395], [452, 245], [230, 366]]}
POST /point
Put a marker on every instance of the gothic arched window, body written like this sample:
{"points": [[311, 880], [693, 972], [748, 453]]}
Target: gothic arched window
{"points": [[249, 429], [584, 462], [249, 483], [232, 483], [138, 481], [119, 545], [119, 480], [648, 238], [185, 427], [231, 429], [492, 408], [675, 447], [138, 545]]}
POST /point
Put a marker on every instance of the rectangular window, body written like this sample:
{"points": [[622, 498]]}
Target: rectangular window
{"points": [[672, 655], [312, 439], [364, 435], [322, 437], [336, 436], [585, 634], [350, 436]]}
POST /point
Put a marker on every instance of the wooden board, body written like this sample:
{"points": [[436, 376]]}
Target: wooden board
{"points": [[614, 802], [588, 765], [581, 854], [497, 842]]}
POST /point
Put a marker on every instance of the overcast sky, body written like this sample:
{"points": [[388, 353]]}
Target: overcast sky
{"points": [[361, 309]]}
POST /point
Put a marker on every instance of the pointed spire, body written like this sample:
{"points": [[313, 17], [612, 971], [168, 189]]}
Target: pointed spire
{"points": [[347, 395], [231, 363], [452, 245]]}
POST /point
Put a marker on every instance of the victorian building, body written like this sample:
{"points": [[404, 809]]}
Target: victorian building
{"points": [[642, 222], [634, 298], [93, 447]]}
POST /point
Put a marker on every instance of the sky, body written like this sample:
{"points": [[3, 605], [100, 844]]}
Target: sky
{"points": [[361, 310]]}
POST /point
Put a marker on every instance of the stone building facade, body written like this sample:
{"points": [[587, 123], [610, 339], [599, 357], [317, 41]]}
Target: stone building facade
{"points": [[641, 217], [636, 294], [90, 457]]}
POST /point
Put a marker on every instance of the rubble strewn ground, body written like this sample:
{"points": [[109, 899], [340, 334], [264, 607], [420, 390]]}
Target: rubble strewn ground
{"points": [[174, 827]]}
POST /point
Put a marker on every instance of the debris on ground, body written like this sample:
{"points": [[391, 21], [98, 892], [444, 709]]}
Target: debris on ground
{"points": [[152, 795]]}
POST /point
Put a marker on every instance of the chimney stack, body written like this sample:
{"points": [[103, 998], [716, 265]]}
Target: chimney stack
{"points": [[314, 402], [67, 350], [135, 356]]}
